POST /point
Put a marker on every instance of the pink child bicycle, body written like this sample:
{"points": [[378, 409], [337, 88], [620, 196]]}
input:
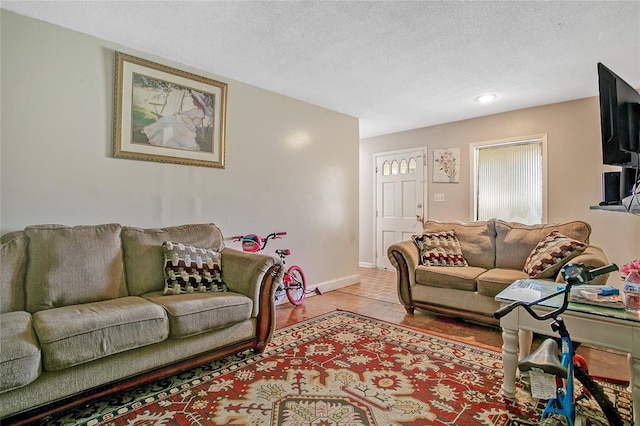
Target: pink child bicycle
{"points": [[293, 282]]}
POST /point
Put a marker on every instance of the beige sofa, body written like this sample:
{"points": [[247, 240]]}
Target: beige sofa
{"points": [[495, 253], [84, 311]]}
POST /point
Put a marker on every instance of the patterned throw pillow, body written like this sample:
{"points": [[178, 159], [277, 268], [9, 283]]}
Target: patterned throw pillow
{"points": [[548, 257], [439, 249], [189, 269]]}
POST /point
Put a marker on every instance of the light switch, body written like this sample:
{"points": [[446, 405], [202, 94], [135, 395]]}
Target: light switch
{"points": [[438, 198]]}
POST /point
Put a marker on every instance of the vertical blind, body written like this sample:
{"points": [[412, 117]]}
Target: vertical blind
{"points": [[509, 182]]}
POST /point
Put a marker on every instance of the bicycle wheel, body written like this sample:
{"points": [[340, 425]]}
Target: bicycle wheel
{"points": [[598, 395], [297, 287]]}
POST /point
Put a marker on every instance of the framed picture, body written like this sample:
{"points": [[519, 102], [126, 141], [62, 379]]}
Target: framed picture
{"points": [[446, 165], [167, 115]]}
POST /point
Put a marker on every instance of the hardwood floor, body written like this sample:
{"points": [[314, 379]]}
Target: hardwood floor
{"points": [[375, 296]]}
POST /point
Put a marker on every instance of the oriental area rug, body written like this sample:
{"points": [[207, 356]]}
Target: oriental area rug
{"points": [[337, 369]]}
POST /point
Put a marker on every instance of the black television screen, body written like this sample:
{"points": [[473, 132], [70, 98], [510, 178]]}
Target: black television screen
{"points": [[619, 119]]}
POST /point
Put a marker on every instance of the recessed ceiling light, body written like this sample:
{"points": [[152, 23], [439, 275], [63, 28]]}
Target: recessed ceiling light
{"points": [[485, 99]]}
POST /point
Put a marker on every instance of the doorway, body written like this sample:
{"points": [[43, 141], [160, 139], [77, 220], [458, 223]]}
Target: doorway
{"points": [[399, 199]]}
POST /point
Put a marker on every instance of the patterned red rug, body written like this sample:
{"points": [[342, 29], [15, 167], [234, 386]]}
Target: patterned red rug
{"points": [[337, 369]]}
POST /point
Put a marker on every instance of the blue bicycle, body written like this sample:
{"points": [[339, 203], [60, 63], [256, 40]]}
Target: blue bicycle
{"points": [[547, 370]]}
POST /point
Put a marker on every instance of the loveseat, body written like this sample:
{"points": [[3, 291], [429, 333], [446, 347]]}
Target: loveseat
{"points": [[89, 310], [457, 269]]}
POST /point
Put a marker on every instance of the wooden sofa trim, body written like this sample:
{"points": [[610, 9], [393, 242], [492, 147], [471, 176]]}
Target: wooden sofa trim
{"points": [[450, 312], [404, 289]]}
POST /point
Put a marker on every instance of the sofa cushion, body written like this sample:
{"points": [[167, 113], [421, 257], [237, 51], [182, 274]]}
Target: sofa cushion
{"points": [[515, 241], [477, 240], [194, 313], [446, 277], [206, 235], [20, 352], [191, 269], [495, 280], [13, 260], [72, 265], [76, 334], [550, 254], [144, 258], [439, 249]]}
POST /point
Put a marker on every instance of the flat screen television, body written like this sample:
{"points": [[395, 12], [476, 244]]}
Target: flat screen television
{"points": [[619, 123]]}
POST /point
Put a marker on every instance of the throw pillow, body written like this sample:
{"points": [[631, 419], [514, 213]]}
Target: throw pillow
{"points": [[191, 269], [550, 254], [439, 249]]}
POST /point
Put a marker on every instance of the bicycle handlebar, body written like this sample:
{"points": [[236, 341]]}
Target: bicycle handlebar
{"points": [[573, 274], [259, 240], [527, 306], [578, 274]]}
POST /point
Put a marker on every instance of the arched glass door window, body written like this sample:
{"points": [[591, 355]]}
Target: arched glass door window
{"points": [[412, 165], [403, 167], [386, 169], [394, 167]]}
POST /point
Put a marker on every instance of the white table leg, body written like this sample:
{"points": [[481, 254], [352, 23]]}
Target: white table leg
{"points": [[509, 361], [635, 379], [525, 337]]}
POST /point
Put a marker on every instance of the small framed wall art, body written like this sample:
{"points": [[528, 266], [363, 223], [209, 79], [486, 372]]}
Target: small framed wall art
{"points": [[446, 165], [167, 115]]}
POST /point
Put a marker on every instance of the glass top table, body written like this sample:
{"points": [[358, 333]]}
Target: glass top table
{"points": [[529, 290], [596, 325]]}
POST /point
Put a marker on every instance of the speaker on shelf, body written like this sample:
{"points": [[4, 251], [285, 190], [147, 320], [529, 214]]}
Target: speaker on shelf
{"points": [[617, 185], [611, 187]]}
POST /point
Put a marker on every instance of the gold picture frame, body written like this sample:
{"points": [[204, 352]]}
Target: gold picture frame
{"points": [[167, 115]]}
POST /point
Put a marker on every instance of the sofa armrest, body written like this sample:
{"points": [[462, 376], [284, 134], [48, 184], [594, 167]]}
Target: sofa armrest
{"points": [[592, 257], [257, 276], [404, 256], [246, 273]]}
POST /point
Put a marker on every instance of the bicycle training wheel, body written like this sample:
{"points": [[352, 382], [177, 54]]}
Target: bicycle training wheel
{"points": [[593, 388], [297, 288]]}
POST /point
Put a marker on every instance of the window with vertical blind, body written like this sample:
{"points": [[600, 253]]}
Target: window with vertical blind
{"points": [[510, 180]]}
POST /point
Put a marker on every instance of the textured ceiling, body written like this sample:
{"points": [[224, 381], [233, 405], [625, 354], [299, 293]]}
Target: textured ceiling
{"points": [[395, 65]]}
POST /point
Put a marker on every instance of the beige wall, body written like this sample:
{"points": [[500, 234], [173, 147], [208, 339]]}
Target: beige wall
{"points": [[575, 168], [290, 166]]}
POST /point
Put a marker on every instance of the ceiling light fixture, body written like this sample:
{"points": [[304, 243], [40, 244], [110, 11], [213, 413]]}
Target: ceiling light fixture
{"points": [[485, 99]]}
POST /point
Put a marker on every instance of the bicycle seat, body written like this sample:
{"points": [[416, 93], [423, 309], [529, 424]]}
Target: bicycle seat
{"points": [[283, 252], [546, 359]]}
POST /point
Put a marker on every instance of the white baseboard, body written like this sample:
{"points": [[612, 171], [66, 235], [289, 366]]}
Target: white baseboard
{"points": [[366, 265], [324, 287], [338, 283]]}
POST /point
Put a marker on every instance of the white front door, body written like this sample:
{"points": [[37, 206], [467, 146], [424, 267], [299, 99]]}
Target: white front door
{"points": [[400, 192]]}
